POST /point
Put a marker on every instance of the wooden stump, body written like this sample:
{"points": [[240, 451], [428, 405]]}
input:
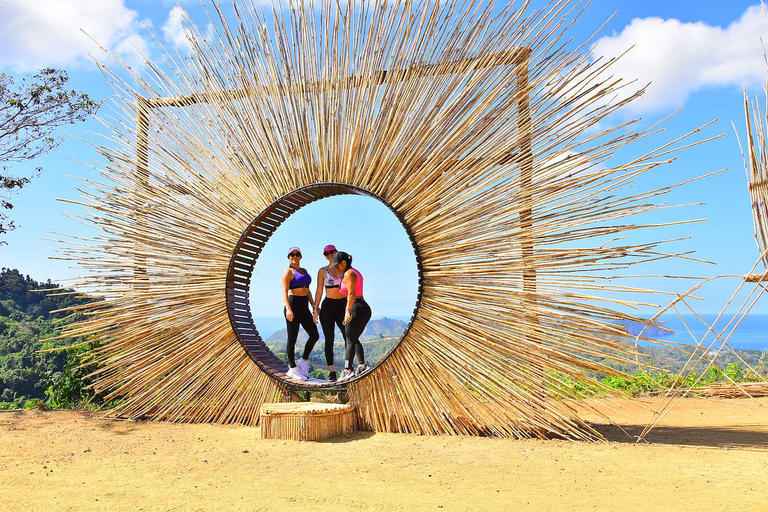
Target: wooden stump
{"points": [[306, 421]]}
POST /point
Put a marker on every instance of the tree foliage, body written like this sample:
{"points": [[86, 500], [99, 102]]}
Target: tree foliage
{"points": [[30, 114], [27, 317]]}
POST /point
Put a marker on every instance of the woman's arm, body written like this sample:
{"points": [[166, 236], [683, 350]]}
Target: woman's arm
{"points": [[287, 276], [312, 303], [319, 292], [350, 280]]}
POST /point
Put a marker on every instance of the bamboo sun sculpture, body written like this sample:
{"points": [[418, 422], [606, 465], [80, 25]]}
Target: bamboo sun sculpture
{"points": [[475, 123]]}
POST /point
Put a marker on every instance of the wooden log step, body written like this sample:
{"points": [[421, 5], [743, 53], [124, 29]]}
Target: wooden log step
{"points": [[306, 421]]}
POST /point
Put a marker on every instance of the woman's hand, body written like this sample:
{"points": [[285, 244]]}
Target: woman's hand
{"points": [[287, 276], [315, 315], [347, 317]]}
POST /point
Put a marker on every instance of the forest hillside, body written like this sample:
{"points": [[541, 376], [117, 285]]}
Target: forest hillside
{"points": [[27, 318]]}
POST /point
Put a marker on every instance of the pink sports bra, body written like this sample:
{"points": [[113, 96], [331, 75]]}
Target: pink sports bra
{"points": [[358, 285]]}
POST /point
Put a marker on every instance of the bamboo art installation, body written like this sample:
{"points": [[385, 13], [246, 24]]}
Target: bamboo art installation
{"points": [[481, 127]]}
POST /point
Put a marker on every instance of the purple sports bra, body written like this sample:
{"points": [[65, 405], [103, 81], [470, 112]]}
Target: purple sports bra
{"points": [[300, 280]]}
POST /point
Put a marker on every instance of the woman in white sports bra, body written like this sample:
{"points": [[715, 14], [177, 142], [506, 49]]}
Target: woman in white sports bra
{"points": [[331, 311]]}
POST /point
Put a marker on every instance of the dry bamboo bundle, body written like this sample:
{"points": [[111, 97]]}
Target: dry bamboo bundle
{"points": [[472, 120], [306, 421], [734, 390]]}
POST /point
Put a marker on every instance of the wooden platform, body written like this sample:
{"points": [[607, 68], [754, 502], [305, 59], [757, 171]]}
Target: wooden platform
{"points": [[306, 421]]}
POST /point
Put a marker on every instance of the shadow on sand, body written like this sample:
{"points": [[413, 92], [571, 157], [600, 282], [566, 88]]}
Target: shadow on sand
{"points": [[750, 437]]}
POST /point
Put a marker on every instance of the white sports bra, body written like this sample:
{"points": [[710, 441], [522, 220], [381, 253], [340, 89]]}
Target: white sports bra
{"points": [[330, 281]]}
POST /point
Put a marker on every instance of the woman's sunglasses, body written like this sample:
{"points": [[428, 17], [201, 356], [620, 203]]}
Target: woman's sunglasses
{"points": [[291, 255], [326, 253]]}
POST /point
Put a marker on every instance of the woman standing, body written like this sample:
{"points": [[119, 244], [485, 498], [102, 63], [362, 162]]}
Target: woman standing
{"points": [[331, 311], [356, 314], [297, 297]]}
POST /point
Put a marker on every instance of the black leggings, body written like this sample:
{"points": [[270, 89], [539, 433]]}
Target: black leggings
{"points": [[301, 316], [332, 315], [361, 313]]}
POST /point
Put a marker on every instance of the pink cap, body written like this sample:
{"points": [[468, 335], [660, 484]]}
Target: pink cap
{"points": [[329, 247]]}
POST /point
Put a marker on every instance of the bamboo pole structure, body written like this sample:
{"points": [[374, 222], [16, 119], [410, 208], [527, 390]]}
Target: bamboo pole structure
{"points": [[142, 180], [480, 127], [718, 337], [526, 182]]}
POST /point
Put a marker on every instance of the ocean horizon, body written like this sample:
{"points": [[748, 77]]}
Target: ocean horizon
{"points": [[751, 333]]}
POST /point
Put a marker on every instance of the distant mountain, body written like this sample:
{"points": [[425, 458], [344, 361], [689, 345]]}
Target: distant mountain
{"points": [[379, 328], [384, 328]]}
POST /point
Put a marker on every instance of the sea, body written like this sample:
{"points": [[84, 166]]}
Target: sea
{"points": [[268, 325], [749, 332]]}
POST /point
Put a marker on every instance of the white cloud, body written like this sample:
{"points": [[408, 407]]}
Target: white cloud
{"points": [[681, 58], [40, 33], [173, 28]]}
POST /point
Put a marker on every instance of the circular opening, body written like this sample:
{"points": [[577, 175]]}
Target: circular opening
{"points": [[251, 297]]}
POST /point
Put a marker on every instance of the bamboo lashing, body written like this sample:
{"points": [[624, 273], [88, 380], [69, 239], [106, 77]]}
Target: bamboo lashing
{"points": [[756, 278], [306, 421], [477, 127]]}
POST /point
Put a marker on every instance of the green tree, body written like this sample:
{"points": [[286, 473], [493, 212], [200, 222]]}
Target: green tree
{"points": [[30, 112], [68, 388], [29, 314]]}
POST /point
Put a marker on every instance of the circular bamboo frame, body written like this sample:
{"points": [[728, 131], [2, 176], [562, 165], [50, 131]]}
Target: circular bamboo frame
{"points": [[246, 254]]}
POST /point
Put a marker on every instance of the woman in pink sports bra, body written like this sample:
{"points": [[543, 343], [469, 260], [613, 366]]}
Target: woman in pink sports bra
{"points": [[356, 315], [331, 310]]}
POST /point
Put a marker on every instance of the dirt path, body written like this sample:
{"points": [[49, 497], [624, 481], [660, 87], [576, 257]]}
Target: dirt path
{"points": [[705, 454]]}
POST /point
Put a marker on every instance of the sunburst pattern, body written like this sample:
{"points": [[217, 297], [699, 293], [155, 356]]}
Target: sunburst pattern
{"points": [[471, 120]]}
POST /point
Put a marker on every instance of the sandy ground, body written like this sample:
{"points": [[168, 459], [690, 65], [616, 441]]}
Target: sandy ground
{"points": [[710, 455]]}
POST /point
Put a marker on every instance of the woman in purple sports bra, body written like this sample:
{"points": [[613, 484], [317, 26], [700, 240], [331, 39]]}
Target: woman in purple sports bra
{"points": [[331, 310], [297, 297]]}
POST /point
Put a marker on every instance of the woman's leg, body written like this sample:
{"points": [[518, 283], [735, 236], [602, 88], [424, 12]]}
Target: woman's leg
{"points": [[339, 319], [310, 327], [292, 326], [327, 316], [360, 313]]}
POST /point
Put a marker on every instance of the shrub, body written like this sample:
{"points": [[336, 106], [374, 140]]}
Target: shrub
{"points": [[69, 388]]}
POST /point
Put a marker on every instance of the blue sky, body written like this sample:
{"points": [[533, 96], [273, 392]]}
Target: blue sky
{"points": [[697, 55]]}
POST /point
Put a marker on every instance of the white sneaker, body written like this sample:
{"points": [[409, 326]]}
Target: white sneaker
{"points": [[361, 369], [295, 374], [303, 367], [346, 375]]}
